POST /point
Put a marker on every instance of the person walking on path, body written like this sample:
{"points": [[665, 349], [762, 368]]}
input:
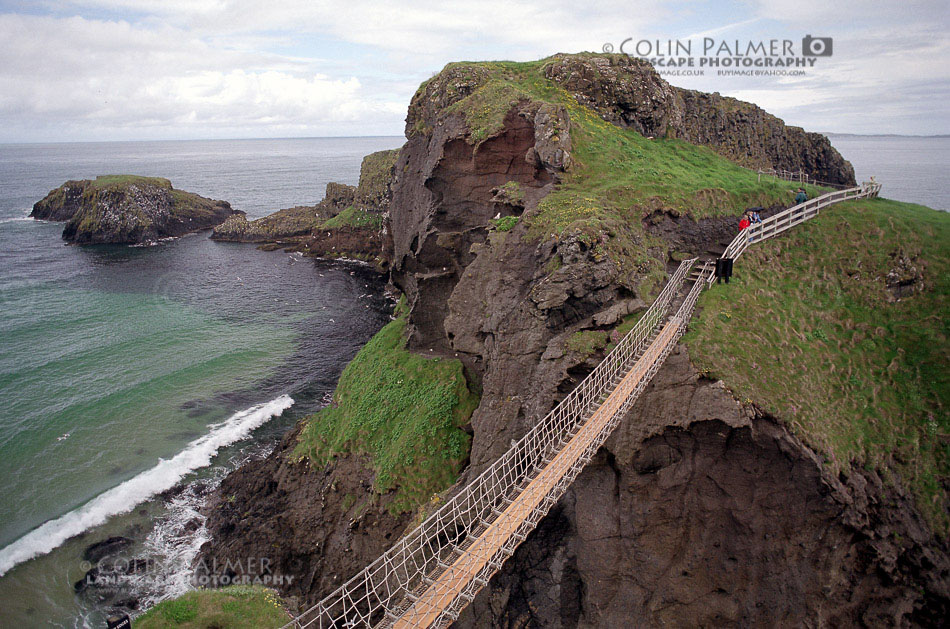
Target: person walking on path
{"points": [[801, 197]]}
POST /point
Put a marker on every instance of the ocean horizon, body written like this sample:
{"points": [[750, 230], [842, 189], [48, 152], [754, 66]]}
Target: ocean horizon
{"points": [[129, 371]]}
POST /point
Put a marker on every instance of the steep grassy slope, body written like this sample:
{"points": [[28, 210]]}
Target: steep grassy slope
{"points": [[809, 330], [616, 175], [402, 409]]}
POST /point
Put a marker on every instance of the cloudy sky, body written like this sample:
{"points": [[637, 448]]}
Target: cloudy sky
{"points": [[76, 70]]}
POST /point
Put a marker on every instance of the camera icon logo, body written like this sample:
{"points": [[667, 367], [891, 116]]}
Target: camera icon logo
{"points": [[816, 46]]}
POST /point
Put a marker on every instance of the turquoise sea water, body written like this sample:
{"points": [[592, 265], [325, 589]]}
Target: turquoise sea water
{"points": [[128, 371], [132, 379]]}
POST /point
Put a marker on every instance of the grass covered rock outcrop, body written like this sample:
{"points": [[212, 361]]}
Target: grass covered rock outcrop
{"points": [[811, 331], [535, 210], [127, 209], [348, 222], [234, 607]]}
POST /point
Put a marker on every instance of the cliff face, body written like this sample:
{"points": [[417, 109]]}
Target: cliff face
{"points": [[126, 209], [702, 511], [521, 254], [629, 92]]}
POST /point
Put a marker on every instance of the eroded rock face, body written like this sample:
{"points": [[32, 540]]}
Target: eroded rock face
{"points": [[624, 90], [699, 511], [317, 526], [128, 210], [444, 196], [629, 92]]}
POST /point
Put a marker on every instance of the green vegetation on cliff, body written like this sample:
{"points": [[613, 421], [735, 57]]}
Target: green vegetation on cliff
{"points": [[617, 176], [402, 409], [810, 331], [103, 182], [235, 607], [587, 342], [355, 217], [375, 174]]}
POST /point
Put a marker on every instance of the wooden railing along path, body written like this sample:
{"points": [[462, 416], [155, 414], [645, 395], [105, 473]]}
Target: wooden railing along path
{"points": [[436, 569]]}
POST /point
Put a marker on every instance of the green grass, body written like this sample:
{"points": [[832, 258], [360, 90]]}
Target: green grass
{"points": [[807, 332], [375, 173], [623, 328], [504, 224], [586, 342], [107, 181], [402, 409], [618, 176], [485, 110], [354, 217], [234, 607], [512, 191]]}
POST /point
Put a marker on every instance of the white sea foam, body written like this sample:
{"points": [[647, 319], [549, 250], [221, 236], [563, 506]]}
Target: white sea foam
{"points": [[15, 219], [122, 498]]}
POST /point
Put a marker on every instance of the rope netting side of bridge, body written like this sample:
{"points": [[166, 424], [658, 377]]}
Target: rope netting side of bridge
{"points": [[436, 569], [385, 587]]}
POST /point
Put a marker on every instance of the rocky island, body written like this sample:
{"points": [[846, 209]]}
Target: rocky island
{"points": [[797, 476], [348, 222], [127, 209]]}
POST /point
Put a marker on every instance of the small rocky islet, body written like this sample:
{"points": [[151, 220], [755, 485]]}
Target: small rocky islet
{"points": [[128, 209]]}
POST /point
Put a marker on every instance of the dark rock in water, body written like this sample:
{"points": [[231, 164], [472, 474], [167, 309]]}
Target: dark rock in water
{"points": [[348, 222], [106, 548], [126, 604], [191, 526], [87, 580], [126, 209]]}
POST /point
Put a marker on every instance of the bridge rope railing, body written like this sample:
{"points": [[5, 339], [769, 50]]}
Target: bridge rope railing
{"points": [[437, 568], [385, 588], [795, 215], [447, 595]]}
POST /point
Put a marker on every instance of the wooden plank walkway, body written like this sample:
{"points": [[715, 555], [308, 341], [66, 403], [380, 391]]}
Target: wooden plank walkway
{"points": [[415, 583], [439, 596]]}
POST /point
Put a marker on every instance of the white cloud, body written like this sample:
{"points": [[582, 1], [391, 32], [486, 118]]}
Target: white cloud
{"points": [[194, 68], [75, 72]]}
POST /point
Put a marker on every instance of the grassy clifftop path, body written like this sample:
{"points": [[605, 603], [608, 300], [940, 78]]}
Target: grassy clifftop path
{"points": [[840, 329]]}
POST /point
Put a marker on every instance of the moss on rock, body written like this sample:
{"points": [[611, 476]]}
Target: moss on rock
{"points": [[128, 209]]}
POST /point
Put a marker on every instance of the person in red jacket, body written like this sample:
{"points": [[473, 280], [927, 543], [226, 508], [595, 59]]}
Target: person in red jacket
{"points": [[745, 222]]}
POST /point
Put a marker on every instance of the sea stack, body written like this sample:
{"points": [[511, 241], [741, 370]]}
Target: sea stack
{"points": [[128, 209]]}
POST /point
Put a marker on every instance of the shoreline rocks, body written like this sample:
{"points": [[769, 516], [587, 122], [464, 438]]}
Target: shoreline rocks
{"points": [[128, 209]]}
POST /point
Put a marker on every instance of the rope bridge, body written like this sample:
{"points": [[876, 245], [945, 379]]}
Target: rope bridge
{"points": [[435, 570]]}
